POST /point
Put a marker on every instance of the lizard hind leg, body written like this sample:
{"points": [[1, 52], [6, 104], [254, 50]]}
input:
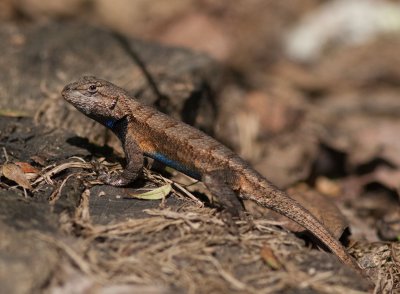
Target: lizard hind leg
{"points": [[218, 183]]}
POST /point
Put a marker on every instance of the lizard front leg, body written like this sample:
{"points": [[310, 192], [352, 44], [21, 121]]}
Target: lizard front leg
{"points": [[134, 165]]}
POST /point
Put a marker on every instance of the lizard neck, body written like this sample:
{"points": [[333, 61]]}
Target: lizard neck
{"points": [[118, 127]]}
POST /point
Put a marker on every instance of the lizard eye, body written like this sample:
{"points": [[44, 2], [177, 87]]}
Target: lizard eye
{"points": [[92, 89]]}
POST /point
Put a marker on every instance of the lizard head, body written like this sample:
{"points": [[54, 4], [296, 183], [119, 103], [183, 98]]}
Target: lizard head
{"points": [[96, 98]]}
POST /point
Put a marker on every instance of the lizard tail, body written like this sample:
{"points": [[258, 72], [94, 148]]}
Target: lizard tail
{"points": [[278, 201]]}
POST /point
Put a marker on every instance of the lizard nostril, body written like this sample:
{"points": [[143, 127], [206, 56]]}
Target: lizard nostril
{"points": [[66, 89]]}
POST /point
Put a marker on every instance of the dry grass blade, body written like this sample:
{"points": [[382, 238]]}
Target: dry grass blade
{"points": [[56, 193], [177, 188], [129, 227], [235, 283], [191, 249], [13, 113], [77, 259], [190, 195], [188, 217], [73, 164]]}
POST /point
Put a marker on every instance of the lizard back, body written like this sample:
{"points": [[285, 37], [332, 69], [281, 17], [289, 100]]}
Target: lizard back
{"points": [[174, 140]]}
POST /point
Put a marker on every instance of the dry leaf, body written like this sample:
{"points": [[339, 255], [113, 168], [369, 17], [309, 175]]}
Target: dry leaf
{"points": [[31, 173], [323, 209], [388, 177], [14, 173], [38, 159], [27, 168], [269, 257], [156, 194], [328, 187], [389, 226]]}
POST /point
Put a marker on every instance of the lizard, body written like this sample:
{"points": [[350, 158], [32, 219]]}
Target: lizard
{"points": [[144, 131]]}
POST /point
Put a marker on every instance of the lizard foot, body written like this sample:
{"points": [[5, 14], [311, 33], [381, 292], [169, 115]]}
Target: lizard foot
{"points": [[114, 180], [217, 183]]}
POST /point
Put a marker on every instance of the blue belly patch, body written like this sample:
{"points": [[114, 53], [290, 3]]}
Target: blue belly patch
{"points": [[174, 164], [110, 123]]}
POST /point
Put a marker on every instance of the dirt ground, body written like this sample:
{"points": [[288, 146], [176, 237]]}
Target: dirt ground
{"points": [[306, 91]]}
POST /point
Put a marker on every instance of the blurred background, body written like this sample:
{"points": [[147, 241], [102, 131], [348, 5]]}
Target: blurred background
{"points": [[308, 91]]}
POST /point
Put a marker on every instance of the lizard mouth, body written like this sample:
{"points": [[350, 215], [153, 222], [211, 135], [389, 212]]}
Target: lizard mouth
{"points": [[66, 92], [76, 99], [72, 96], [67, 88]]}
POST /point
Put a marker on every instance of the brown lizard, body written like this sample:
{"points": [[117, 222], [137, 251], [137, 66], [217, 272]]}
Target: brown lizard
{"points": [[146, 131]]}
